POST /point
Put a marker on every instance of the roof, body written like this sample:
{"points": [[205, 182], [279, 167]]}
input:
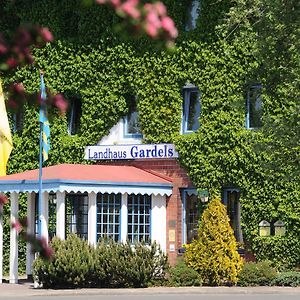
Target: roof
{"points": [[89, 178]]}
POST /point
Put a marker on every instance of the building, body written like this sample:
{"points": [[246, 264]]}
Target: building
{"points": [[203, 99]]}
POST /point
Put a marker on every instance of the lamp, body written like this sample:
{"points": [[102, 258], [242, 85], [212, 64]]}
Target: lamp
{"points": [[203, 195], [279, 227], [264, 228]]}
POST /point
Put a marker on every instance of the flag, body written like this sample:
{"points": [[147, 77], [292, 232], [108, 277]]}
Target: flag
{"points": [[5, 135], [44, 122]]}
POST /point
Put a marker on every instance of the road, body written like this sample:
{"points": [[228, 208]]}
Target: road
{"points": [[25, 291]]}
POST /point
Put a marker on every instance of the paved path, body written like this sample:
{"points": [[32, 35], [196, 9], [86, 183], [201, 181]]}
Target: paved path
{"points": [[25, 289]]}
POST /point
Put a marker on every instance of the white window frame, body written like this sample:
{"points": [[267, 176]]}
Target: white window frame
{"points": [[126, 121], [257, 87], [187, 91]]}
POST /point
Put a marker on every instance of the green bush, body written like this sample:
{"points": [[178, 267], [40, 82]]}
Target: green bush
{"points": [[291, 278], [214, 253], [183, 275], [131, 266], [72, 265], [260, 273], [76, 264]]}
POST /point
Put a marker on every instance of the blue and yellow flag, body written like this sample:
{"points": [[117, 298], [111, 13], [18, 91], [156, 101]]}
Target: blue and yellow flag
{"points": [[5, 135], [44, 121]]}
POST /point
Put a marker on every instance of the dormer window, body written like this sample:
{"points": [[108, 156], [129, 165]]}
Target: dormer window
{"points": [[254, 105], [193, 14], [132, 128], [191, 109], [74, 115]]}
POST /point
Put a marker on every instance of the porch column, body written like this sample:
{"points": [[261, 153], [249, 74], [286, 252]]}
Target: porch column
{"points": [[44, 216], [123, 222], [1, 244], [60, 215], [92, 219], [13, 259], [30, 230]]}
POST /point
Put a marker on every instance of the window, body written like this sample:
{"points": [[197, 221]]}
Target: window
{"points": [[139, 211], [74, 115], [254, 107], [77, 215], [191, 213], [18, 119], [191, 109], [193, 15], [231, 198], [132, 128], [108, 216]]}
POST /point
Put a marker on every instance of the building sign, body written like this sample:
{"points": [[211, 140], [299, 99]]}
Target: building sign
{"points": [[130, 151]]}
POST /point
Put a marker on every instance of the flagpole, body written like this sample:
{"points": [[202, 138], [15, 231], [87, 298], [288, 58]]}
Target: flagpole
{"points": [[40, 163]]}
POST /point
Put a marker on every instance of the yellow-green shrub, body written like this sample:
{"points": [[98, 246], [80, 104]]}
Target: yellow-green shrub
{"points": [[214, 253]]}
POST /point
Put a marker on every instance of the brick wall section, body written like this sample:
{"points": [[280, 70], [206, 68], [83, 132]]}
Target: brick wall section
{"points": [[172, 169]]}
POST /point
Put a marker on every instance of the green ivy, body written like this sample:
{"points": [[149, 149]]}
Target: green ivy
{"points": [[222, 56]]}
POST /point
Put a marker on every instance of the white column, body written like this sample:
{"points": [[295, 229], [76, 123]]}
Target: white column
{"points": [[159, 221], [13, 259], [124, 219], [92, 219], [30, 230], [1, 244], [60, 215], [44, 216]]}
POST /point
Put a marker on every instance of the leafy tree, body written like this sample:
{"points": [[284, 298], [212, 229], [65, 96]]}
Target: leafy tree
{"points": [[214, 252]]}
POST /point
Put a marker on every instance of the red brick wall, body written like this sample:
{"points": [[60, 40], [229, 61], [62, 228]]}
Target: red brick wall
{"points": [[172, 169]]}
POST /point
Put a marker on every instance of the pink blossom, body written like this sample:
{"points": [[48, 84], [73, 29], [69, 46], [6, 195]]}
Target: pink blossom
{"points": [[60, 102], [160, 8], [17, 226], [153, 18], [3, 49], [168, 25], [130, 8], [45, 251], [3, 199], [46, 35], [11, 62], [115, 3], [151, 30]]}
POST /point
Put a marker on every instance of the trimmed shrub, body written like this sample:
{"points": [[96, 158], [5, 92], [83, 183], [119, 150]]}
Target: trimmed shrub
{"points": [[183, 275], [214, 253], [76, 264], [129, 265], [291, 278], [71, 267], [257, 273]]}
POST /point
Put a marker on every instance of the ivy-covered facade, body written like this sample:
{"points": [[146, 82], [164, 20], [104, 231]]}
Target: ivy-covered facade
{"points": [[211, 97]]}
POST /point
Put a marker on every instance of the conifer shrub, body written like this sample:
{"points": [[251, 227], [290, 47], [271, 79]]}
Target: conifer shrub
{"points": [[183, 275], [72, 265], [257, 273], [75, 264], [128, 265], [213, 254]]}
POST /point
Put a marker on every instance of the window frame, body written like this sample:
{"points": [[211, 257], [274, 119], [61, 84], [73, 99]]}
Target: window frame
{"points": [[248, 107], [238, 231], [74, 115], [184, 194], [187, 91], [74, 197], [126, 134], [101, 214], [18, 122], [131, 235]]}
